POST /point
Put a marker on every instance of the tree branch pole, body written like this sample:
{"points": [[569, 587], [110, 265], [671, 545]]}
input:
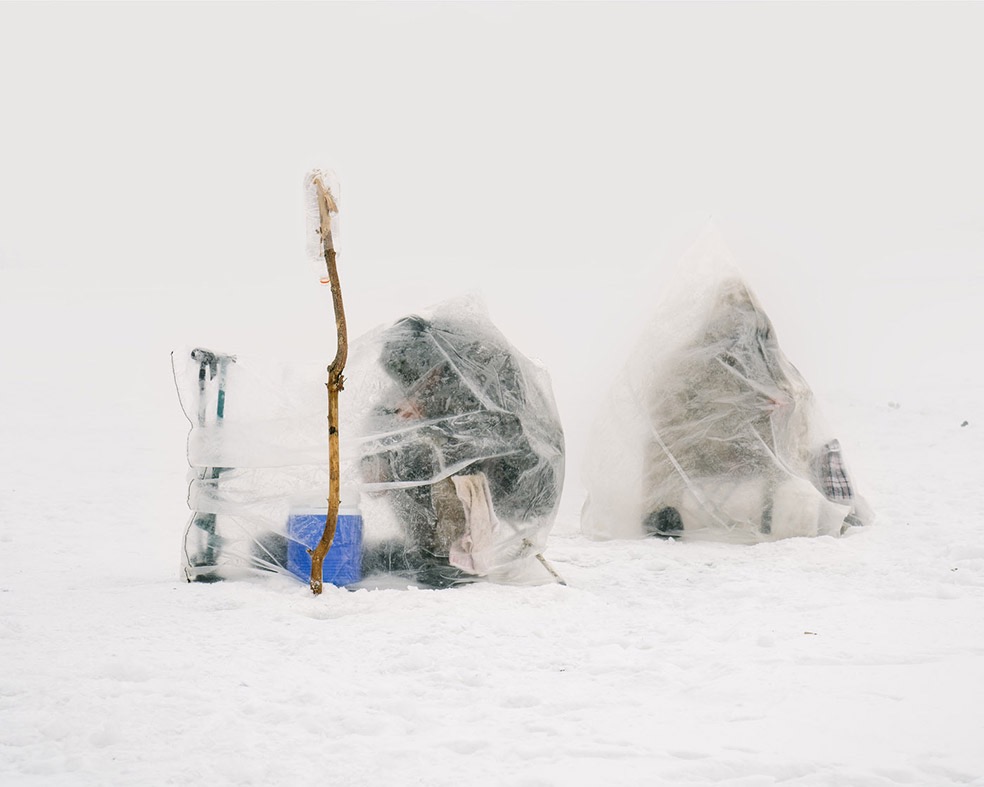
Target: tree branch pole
{"points": [[336, 381]]}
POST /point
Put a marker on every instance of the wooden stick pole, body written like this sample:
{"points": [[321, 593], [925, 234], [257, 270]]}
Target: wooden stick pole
{"points": [[336, 382]]}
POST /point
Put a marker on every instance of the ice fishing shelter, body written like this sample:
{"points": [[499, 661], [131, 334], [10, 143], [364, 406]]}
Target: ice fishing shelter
{"points": [[457, 447], [709, 431], [452, 457]]}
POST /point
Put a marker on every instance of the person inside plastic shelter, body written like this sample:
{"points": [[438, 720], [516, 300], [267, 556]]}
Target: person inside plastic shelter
{"points": [[736, 437], [713, 433], [466, 448]]}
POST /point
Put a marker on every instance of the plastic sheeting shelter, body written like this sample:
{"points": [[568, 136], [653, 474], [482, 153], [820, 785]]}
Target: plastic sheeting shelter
{"points": [[710, 432], [458, 449], [452, 454]]}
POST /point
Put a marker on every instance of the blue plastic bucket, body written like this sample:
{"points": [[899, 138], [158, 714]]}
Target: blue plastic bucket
{"points": [[343, 563]]}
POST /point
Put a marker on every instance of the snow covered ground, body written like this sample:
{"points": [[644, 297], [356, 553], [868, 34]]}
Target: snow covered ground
{"points": [[150, 201], [831, 661], [825, 661]]}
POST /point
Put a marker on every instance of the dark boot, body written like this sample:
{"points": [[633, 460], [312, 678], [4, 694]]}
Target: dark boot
{"points": [[665, 523]]}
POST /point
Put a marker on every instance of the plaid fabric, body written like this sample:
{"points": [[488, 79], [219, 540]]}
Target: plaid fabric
{"points": [[833, 476]]}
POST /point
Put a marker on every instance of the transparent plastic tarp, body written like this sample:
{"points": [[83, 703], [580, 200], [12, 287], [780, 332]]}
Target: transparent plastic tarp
{"points": [[258, 450], [452, 458], [457, 447], [709, 431]]}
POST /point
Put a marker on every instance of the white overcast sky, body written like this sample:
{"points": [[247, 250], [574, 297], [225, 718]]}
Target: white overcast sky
{"points": [[557, 158]]}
